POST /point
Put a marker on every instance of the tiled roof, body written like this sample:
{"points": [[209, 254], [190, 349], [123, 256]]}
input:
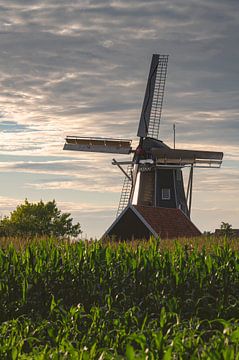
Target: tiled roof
{"points": [[168, 223]]}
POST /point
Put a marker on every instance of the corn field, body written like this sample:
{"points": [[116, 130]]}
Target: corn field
{"points": [[98, 301]]}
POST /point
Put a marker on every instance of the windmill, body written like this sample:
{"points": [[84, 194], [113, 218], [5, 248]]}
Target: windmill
{"points": [[153, 178]]}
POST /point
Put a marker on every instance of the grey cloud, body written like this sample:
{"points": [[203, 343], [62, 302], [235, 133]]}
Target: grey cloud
{"points": [[217, 180], [209, 128], [73, 174], [81, 68], [13, 126], [54, 166]]}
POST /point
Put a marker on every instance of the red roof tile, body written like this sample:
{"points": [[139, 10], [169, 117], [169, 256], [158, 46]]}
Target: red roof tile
{"points": [[168, 223]]}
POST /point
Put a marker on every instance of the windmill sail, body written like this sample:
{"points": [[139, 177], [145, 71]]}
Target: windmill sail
{"points": [[190, 157], [153, 100], [97, 144]]}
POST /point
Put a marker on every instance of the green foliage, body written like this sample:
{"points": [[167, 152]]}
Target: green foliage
{"points": [[38, 219], [91, 301], [226, 229]]}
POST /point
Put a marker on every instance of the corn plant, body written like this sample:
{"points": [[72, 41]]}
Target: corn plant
{"points": [[98, 301]]}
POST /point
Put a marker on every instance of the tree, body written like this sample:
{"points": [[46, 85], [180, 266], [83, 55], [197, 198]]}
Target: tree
{"points": [[38, 219], [226, 229]]}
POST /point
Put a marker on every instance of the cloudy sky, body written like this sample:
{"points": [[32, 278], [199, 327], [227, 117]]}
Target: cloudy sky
{"points": [[80, 68]]}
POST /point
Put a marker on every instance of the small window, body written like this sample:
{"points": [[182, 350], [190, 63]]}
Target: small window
{"points": [[165, 194]]}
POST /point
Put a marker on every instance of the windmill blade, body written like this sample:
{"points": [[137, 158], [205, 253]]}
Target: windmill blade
{"points": [[153, 100], [186, 157], [97, 144]]}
